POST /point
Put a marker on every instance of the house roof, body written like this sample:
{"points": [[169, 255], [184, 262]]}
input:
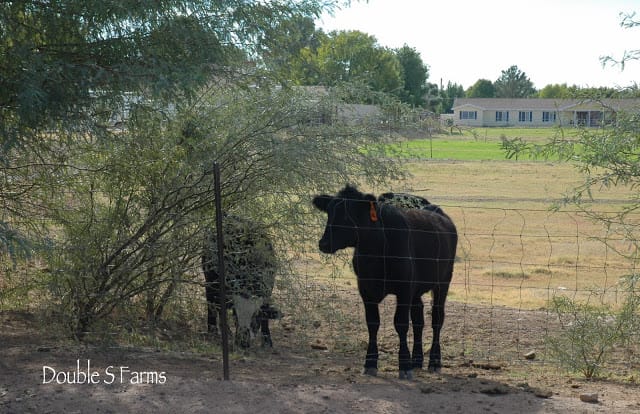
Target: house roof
{"points": [[531, 104]]}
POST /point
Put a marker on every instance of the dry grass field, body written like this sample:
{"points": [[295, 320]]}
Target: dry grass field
{"points": [[514, 250]]}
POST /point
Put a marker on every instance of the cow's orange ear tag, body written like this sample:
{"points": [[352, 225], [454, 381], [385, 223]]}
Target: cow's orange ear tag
{"points": [[372, 211]]}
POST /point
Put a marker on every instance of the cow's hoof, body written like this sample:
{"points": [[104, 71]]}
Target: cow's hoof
{"points": [[434, 369], [371, 371], [406, 375]]}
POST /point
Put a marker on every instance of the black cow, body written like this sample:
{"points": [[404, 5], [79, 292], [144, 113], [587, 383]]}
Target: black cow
{"points": [[250, 268], [404, 200], [398, 251]]}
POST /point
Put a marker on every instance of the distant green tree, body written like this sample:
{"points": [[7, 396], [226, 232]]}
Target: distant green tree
{"points": [[353, 56], [483, 88], [289, 50], [575, 92], [415, 73], [433, 97], [513, 83], [448, 95], [555, 91]]}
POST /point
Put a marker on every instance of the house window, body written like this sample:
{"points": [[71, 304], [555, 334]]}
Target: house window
{"points": [[502, 116], [548, 116], [468, 114], [525, 116]]}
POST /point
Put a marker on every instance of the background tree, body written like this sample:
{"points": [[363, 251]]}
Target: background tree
{"points": [[513, 83], [353, 56], [447, 96], [415, 75], [349, 56], [555, 91], [483, 88], [289, 50]]}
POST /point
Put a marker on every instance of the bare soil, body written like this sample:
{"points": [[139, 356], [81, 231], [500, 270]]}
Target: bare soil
{"points": [[300, 374]]}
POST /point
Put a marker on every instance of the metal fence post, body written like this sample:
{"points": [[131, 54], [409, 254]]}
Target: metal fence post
{"points": [[221, 272]]}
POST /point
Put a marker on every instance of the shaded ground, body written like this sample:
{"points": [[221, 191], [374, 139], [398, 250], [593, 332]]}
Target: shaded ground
{"points": [[287, 379]]}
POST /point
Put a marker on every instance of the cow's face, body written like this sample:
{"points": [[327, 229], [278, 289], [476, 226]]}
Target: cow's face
{"points": [[343, 218]]}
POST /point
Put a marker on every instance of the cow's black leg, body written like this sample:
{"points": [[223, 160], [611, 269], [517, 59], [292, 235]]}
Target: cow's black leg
{"points": [[267, 311], [372, 315], [401, 323], [264, 329], [417, 321], [212, 308], [437, 320]]}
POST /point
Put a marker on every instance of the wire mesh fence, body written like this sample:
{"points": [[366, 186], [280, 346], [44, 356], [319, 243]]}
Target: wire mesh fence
{"points": [[511, 264]]}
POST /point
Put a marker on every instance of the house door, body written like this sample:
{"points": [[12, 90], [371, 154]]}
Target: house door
{"points": [[582, 118]]}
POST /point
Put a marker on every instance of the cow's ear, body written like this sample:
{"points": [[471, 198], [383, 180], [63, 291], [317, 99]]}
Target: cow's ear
{"points": [[371, 207], [321, 202]]}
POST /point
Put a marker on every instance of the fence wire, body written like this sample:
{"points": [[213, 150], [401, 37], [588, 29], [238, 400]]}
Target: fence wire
{"points": [[510, 264]]}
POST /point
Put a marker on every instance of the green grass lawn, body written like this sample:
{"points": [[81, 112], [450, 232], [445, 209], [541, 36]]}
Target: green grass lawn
{"points": [[472, 144], [448, 149]]}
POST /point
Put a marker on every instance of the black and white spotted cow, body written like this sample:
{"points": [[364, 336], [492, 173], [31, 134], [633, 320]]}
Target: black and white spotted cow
{"points": [[409, 201], [250, 267]]}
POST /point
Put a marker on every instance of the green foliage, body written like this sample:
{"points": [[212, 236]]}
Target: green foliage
{"points": [[555, 91], [447, 96], [483, 88], [575, 92], [67, 68], [513, 147], [341, 57], [120, 227], [58, 56], [590, 333], [290, 48], [415, 74], [118, 214], [14, 244], [513, 83], [129, 227], [588, 336]]}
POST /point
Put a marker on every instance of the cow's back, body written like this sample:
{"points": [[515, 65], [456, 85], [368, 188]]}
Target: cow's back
{"points": [[250, 260]]}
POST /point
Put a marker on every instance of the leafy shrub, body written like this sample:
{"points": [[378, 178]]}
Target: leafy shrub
{"points": [[589, 333]]}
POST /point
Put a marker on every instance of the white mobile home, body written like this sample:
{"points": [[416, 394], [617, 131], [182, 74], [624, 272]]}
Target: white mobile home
{"points": [[492, 112]]}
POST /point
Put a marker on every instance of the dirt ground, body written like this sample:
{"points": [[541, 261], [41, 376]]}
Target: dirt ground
{"points": [[285, 379]]}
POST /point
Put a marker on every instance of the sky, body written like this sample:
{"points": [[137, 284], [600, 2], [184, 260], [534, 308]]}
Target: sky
{"points": [[551, 41]]}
